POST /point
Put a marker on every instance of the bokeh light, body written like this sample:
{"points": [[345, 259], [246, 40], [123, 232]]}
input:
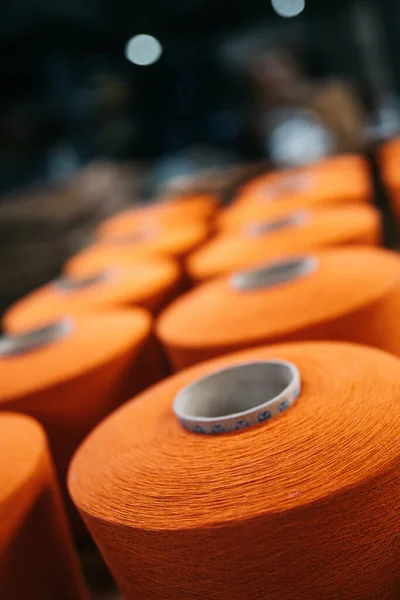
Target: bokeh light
{"points": [[288, 8], [143, 50]]}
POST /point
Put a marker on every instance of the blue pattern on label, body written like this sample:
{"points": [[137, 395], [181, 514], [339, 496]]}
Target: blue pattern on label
{"points": [[241, 424], [283, 405], [265, 416], [218, 429], [198, 429], [259, 414]]}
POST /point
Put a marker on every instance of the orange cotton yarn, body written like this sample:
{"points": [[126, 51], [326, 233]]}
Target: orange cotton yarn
{"points": [[170, 241], [37, 559], [341, 179], [353, 294], [389, 162], [333, 227], [173, 213], [249, 216], [148, 283], [69, 385], [304, 507], [337, 181], [390, 156]]}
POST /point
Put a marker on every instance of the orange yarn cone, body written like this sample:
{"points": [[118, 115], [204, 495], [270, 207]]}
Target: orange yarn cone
{"points": [[279, 215], [169, 241], [389, 162], [341, 179], [72, 374], [37, 559], [173, 213], [149, 283], [304, 506], [334, 227], [345, 294]]}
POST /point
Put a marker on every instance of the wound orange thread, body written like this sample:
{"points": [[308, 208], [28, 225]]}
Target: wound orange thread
{"points": [[337, 180], [351, 294], [302, 507], [70, 384], [389, 157], [37, 559], [180, 210], [175, 241], [334, 227], [149, 283]]}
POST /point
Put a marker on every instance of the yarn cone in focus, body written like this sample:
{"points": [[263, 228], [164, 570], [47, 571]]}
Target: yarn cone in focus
{"points": [[359, 224], [303, 505], [37, 559]]}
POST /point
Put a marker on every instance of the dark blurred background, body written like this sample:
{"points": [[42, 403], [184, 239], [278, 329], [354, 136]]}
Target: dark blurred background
{"points": [[70, 95], [108, 103]]}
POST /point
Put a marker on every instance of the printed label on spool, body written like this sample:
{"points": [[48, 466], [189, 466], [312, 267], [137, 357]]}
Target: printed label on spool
{"points": [[238, 397]]}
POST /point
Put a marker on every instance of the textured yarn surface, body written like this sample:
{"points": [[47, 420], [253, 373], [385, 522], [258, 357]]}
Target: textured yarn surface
{"points": [[193, 208], [353, 295], [334, 227], [149, 283], [37, 560], [304, 507]]}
